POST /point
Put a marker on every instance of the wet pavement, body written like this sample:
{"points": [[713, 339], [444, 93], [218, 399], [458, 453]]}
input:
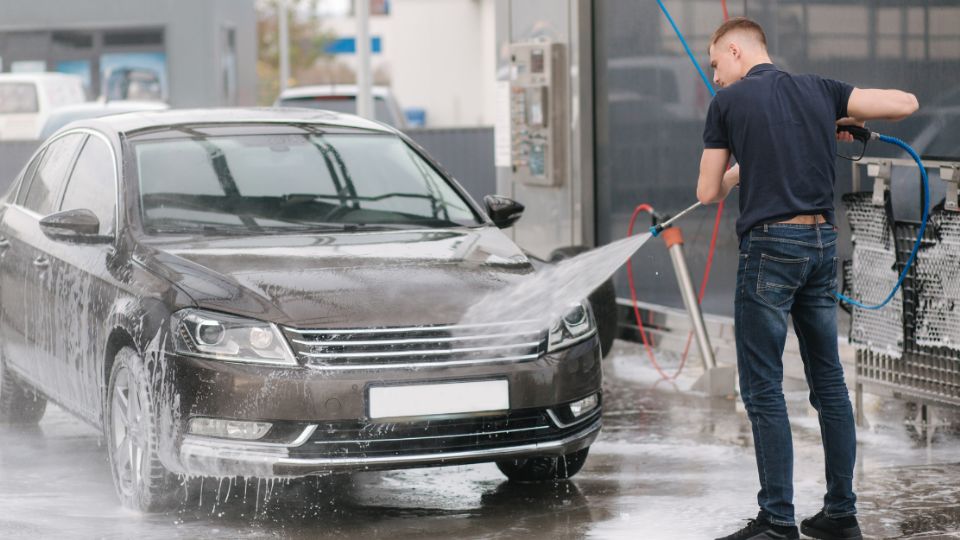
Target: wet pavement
{"points": [[667, 465]]}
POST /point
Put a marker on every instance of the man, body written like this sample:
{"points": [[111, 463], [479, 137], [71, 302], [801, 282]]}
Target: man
{"points": [[781, 130]]}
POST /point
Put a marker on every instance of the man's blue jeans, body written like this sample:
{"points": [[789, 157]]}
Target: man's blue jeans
{"points": [[791, 269]]}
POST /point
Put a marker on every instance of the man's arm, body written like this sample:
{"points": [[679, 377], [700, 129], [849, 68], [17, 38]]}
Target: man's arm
{"points": [[875, 104], [715, 180]]}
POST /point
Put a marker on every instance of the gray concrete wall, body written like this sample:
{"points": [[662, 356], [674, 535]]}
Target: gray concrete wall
{"points": [[192, 37]]}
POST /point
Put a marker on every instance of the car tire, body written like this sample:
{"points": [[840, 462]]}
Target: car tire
{"points": [[544, 469], [130, 429], [19, 403], [603, 301]]}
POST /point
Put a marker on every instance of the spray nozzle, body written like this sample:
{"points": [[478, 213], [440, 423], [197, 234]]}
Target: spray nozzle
{"points": [[659, 223]]}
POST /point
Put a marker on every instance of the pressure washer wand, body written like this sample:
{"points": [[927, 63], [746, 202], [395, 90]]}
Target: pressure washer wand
{"points": [[659, 227]]}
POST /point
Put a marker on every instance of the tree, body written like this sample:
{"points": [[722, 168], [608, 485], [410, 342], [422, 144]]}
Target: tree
{"points": [[307, 44]]}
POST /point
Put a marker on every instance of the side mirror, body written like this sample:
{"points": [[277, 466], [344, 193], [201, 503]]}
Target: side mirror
{"points": [[503, 212], [79, 226]]}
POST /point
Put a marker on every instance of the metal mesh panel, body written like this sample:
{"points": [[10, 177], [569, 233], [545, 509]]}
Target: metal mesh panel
{"points": [[921, 372], [938, 285], [874, 273], [927, 369]]}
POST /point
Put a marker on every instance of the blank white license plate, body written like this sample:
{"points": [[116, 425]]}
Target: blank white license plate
{"points": [[443, 398]]}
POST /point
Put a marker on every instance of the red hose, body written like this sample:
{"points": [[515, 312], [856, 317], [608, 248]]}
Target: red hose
{"points": [[703, 288], [633, 295]]}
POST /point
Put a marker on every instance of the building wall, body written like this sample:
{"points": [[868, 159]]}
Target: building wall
{"points": [[192, 38], [439, 55]]}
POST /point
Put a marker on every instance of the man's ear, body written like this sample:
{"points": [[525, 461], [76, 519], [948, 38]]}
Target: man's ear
{"points": [[735, 50]]}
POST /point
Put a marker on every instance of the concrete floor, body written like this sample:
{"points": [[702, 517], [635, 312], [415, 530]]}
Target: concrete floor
{"points": [[668, 465]]}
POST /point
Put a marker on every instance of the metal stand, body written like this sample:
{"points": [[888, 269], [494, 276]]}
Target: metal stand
{"points": [[715, 381]]}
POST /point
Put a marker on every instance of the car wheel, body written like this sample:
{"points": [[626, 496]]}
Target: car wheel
{"points": [[141, 480], [603, 301], [19, 403], [544, 469]]}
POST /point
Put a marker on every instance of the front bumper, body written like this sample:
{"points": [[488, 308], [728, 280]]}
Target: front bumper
{"points": [[210, 457], [343, 437]]}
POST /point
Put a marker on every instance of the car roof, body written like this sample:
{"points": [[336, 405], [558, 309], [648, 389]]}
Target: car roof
{"points": [[128, 123], [330, 90]]}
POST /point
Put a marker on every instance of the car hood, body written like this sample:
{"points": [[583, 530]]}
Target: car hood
{"points": [[342, 280]]}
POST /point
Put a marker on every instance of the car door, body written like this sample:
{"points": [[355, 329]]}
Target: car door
{"points": [[84, 287], [27, 295]]}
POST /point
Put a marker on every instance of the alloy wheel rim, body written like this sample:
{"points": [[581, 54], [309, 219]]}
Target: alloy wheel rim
{"points": [[128, 442]]}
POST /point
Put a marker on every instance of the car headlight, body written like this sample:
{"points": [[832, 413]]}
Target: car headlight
{"points": [[218, 336], [576, 325]]}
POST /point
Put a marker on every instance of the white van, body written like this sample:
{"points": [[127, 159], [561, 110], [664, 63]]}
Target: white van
{"points": [[26, 100]]}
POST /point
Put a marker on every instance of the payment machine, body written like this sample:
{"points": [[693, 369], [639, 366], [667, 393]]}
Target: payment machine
{"points": [[538, 123]]}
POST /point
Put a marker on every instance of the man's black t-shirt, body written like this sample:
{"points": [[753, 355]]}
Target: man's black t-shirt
{"points": [[781, 128]]}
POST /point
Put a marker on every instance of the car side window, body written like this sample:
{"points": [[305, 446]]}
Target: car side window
{"points": [[27, 177], [45, 188], [93, 185]]}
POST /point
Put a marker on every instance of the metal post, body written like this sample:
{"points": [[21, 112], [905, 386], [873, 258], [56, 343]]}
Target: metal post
{"points": [[692, 306], [715, 381], [283, 37], [861, 417], [364, 97]]}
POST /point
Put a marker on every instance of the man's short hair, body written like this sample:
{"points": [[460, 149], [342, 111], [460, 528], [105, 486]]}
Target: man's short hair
{"points": [[739, 23]]}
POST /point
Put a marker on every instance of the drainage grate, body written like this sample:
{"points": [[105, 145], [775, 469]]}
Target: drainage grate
{"points": [[921, 372]]}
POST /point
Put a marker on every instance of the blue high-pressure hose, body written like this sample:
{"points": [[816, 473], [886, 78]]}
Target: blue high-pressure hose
{"points": [[887, 139], [923, 224]]}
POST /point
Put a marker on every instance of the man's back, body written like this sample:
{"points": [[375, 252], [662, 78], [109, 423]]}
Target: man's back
{"points": [[780, 129]]}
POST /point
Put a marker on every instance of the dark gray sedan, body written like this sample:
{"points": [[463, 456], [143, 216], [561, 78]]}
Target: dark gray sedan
{"points": [[277, 293]]}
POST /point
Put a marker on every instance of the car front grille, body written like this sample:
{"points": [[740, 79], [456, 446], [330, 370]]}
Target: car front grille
{"points": [[417, 346], [348, 439]]}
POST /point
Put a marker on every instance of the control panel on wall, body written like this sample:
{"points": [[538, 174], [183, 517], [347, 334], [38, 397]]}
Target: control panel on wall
{"points": [[538, 113]]}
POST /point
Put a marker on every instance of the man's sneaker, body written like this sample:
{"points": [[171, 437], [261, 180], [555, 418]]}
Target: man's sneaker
{"points": [[761, 529], [826, 528]]}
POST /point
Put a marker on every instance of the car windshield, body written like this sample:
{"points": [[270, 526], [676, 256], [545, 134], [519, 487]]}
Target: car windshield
{"points": [[250, 184]]}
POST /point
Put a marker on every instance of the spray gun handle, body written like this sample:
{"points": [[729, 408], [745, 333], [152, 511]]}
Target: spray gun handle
{"points": [[861, 134]]}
